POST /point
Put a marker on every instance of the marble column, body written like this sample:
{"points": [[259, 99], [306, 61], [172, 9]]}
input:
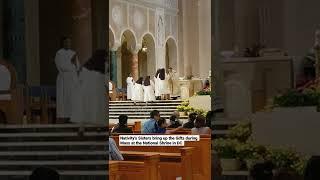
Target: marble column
{"points": [[113, 66], [135, 64], [190, 32], [81, 29]]}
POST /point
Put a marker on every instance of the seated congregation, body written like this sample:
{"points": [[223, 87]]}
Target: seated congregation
{"points": [[190, 162]]}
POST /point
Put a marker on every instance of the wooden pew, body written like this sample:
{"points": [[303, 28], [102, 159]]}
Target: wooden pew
{"points": [[181, 131], [136, 127], [11, 95], [148, 169], [172, 165], [112, 91], [201, 156]]}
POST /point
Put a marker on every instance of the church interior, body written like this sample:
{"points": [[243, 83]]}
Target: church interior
{"points": [[261, 59]]}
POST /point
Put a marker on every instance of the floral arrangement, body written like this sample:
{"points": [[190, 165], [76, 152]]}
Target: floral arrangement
{"points": [[204, 92], [185, 107], [226, 148], [298, 97], [239, 145], [241, 132]]}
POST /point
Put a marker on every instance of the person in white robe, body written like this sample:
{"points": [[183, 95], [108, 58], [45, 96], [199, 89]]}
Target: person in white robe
{"points": [[156, 85], [129, 86], [89, 98], [148, 88], [138, 93], [163, 84], [172, 86], [66, 63]]}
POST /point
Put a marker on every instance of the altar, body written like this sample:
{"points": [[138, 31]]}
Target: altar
{"points": [[188, 88], [249, 83]]}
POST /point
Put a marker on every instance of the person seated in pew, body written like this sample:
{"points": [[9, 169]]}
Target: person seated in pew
{"points": [[190, 123], [174, 122], [114, 152], [209, 118], [162, 127], [176, 113], [150, 126], [200, 126], [122, 126]]}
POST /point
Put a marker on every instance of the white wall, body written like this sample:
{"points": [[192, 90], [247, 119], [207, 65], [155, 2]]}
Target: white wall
{"points": [[204, 38]]}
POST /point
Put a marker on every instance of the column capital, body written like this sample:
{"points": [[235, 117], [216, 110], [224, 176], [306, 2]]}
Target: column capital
{"points": [[135, 50], [115, 46]]}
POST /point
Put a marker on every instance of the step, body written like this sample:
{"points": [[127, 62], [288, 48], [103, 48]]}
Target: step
{"points": [[145, 104], [220, 132], [47, 128], [53, 155], [235, 173], [142, 106], [53, 146], [58, 165], [58, 136], [157, 101], [141, 110], [225, 122], [146, 116], [64, 175], [139, 113]]}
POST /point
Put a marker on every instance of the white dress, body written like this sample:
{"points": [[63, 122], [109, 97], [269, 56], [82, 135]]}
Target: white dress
{"points": [[156, 87], [149, 92], [137, 92], [89, 99], [129, 87], [65, 82], [164, 85]]}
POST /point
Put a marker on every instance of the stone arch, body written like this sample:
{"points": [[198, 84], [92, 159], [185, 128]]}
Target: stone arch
{"points": [[130, 38], [112, 38], [147, 57], [128, 46], [171, 49]]}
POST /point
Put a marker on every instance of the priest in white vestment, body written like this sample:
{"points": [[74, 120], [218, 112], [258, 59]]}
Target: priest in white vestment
{"points": [[172, 86], [89, 99], [66, 62], [129, 86]]}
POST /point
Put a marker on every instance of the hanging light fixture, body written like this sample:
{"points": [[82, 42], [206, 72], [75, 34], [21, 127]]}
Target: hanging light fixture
{"points": [[144, 47]]}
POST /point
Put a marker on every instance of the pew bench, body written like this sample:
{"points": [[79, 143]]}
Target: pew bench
{"points": [[201, 155], [147, 169], [135, 127], [172, 165]]}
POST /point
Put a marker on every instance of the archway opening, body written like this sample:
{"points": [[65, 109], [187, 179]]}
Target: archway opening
{"points": [[111, 64], [147, 57], [171, 54], [128, 43]]}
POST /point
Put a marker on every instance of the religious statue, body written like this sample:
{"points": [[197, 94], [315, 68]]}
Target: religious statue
{"points": [[317, 53]]}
